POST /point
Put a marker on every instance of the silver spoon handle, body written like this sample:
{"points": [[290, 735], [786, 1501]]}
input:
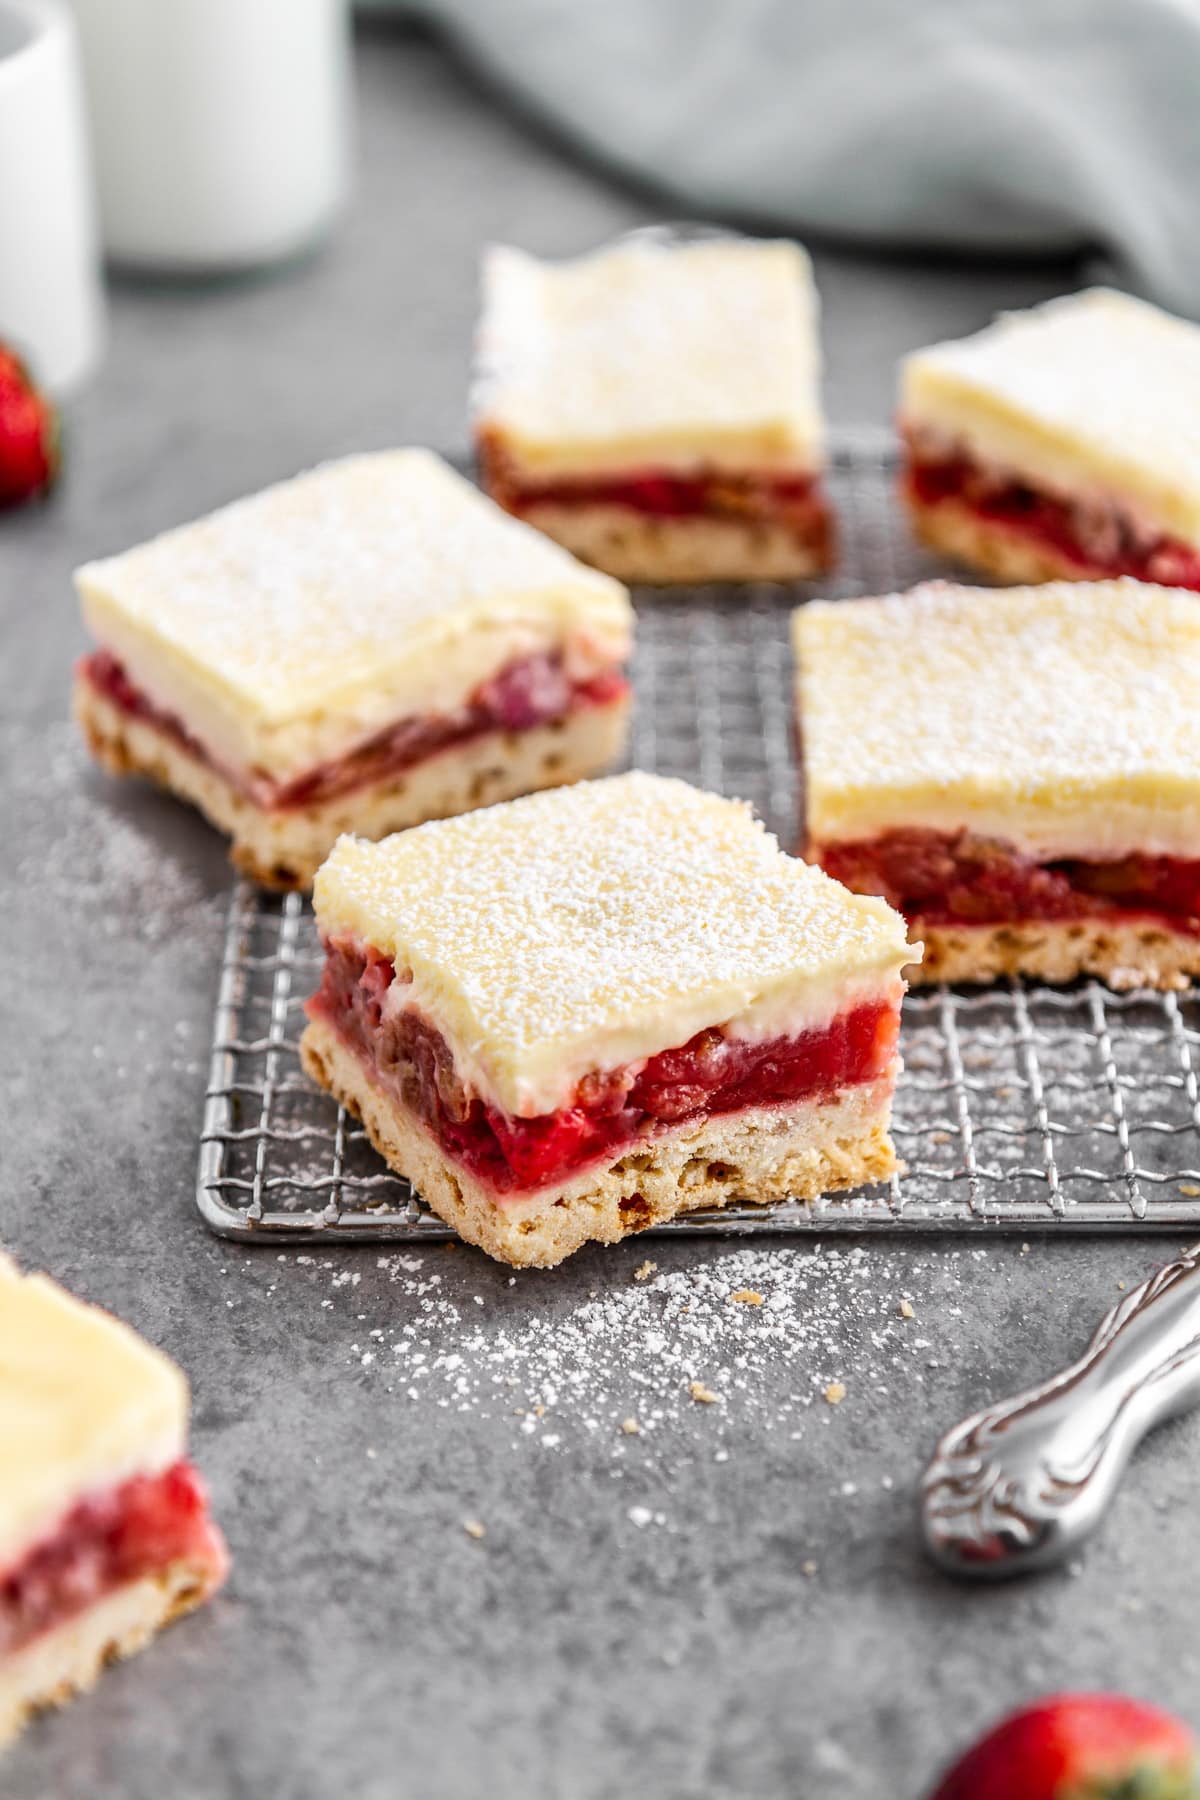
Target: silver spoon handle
{"points": [[1021, 1484]]}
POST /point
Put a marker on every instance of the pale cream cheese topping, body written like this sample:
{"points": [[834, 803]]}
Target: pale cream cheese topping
{"points": [[1095, 396], [1062, 718], [84, 1405], [590, 927], [652, 354], [291, 626]]}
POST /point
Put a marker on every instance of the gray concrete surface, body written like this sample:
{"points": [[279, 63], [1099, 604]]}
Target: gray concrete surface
{"points": [[730, 1602]]}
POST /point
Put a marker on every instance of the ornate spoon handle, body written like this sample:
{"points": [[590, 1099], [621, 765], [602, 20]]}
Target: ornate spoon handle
{"points": [[1020, 1485]]}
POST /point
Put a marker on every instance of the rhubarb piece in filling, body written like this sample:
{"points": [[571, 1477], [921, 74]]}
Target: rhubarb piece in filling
{"points": [[359, 649], [567, 1017], [655, 407], [1017, 772], [1060, 442], [105, 1533]]}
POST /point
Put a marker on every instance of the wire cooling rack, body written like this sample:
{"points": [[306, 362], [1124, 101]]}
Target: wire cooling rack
{"points": [[1020, 1107]]}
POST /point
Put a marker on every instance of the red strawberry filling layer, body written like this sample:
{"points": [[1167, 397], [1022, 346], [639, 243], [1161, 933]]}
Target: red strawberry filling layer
{"points": [[797, 501], [1099, 540], [960, 879], [711, 1074], [528, 692], [105, 1542]]}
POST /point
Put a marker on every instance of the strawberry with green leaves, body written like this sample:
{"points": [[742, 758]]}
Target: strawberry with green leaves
{"points": [[1080, 1747]]}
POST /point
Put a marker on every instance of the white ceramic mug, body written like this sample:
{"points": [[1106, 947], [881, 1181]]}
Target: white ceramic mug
{"points": [[219, 127], [51, 306]]}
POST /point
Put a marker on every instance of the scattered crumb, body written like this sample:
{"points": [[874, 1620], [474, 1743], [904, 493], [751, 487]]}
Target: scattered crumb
{"points": [[640, 1515], [835, 1393], [636, 1349], [630, 1427], [1189, 1190], [703, 1394], [1024, 1249], [809, 1567], [645, 1270], [1121, 1285], [474, 1529], [748, 1297], [907, 1310]]}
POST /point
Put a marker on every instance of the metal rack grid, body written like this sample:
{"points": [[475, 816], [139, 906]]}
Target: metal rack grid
{"points": [[1020, 1107]]}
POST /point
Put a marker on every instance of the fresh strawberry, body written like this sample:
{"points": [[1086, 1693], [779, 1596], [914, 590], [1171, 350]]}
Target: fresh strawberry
{"points": [[1080, 1747], [28, 435]]}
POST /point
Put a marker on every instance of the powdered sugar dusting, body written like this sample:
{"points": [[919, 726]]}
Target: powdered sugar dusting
{"points": [[313, 589], [1061, 698], [97, 867], [624, 1361], [652, 347]]}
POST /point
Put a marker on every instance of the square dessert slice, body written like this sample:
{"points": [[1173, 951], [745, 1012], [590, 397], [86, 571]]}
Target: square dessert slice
{"points": [[579, 1013], [655, 406], [105, 1533], [1063, 441], [366, 646], [1016, 770]]}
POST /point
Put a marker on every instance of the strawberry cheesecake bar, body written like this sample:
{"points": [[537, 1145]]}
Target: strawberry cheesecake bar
{"points": [[655, 407], [1063, 441], [369, 645], [577, 1014], [105, 1533], [1016, 770]]}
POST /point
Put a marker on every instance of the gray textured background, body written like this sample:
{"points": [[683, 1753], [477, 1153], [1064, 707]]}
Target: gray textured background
{"points": [[366, 1645]]}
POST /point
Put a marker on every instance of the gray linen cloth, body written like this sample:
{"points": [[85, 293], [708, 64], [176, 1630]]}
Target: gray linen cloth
{"points": [[998, 126]]}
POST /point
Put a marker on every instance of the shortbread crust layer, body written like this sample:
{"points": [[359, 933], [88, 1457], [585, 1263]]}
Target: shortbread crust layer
{"points": [[284, 849], [672, 552], [1139, 954], [745, 533], [964, 535], [754, 1156], [69, 1659], [977, 905], [996, 521]]}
